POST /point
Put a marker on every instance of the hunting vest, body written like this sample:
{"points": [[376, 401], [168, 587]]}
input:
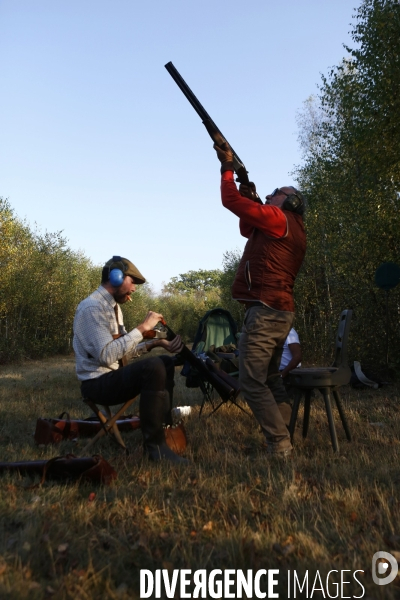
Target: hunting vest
{"points": [[269, 266]]}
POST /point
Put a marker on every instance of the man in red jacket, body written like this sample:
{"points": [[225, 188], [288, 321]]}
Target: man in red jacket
{"points": [[264, 284]]}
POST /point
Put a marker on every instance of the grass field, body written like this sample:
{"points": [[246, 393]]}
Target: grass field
{"points": [[232, 508]]}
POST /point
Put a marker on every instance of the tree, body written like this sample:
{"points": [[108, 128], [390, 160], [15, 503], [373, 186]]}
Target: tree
{"points": [[351, 174], [230, 265], [41, 283], [200, 281], [185, 299]]}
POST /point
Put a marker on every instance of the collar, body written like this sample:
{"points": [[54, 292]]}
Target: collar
{"points": [[107, 296]]}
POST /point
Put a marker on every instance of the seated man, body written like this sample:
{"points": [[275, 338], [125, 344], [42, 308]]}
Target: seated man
{"points": [[101, 343], [291, 355]]}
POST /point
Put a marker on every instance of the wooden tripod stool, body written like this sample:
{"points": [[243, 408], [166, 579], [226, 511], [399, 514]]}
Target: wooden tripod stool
{"points": [[109, 423]]}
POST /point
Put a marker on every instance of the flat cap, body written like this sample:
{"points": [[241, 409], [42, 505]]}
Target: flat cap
{"points": [[127, 267]]}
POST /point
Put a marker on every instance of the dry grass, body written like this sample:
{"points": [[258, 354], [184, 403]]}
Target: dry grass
{"points": [[232, 508]]}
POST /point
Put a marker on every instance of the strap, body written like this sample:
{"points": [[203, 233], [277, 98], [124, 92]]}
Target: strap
{"points": [[62, 415], [124, 360], [48, 464], [67, 429]]}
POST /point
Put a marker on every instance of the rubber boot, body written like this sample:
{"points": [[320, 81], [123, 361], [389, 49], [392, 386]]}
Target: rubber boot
{"points": [[152, 414]]}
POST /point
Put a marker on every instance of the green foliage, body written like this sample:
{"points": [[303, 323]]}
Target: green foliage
{"points": [[183, 311], [200, 281], [230, 265], [185, 299], [41, 283], [351, 174]]}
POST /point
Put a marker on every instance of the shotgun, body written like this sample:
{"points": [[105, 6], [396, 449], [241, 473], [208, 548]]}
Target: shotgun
{"points": [[214, 132], [94, 468], [226, 386]]}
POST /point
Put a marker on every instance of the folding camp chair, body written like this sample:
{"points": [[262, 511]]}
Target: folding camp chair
{"points": [[216, 330]]}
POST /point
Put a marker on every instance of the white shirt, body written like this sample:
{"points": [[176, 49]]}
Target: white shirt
{"points": [[292, 338], [96, 351]]}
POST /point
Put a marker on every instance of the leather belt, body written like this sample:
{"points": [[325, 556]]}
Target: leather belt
{"points": [[251, 304]]}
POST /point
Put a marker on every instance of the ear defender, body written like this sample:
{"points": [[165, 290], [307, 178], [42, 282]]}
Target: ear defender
{"points": [[116, 275], [294, 203]]}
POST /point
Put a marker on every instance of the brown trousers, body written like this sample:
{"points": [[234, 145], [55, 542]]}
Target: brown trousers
{"points": [[260, 350]]}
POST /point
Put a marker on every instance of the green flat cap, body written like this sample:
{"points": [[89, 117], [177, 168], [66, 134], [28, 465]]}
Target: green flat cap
{"points": [[127, 267]]}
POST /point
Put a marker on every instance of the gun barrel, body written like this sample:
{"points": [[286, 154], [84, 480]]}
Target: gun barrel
{"points": [[181, 83], [214, 132], [199, 108]]}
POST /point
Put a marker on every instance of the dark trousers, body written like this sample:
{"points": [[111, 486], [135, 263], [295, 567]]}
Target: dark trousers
{"points": [[148, 375], [260, 351]]}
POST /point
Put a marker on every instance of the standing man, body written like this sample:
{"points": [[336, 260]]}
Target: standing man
{"points": [[264, 284], [101, 343]]}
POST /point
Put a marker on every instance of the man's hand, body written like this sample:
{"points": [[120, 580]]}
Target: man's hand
{"points": [[151, 320], [173, 346], [248, 191], [224, 152]]}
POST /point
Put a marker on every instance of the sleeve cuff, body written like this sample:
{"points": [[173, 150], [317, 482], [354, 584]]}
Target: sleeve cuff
{"points": [[227, 175], [227, 166], [134, 336]]}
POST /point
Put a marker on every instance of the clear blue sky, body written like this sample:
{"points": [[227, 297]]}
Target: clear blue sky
{"points": [[98, 141]]}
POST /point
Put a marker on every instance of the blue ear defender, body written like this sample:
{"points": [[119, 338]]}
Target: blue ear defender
{"points": [[117, 276]]}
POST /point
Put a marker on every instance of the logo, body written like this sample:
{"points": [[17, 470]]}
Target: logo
{"points": [[383, 567]]}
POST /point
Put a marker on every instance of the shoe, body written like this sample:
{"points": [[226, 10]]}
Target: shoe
{"points": [[157, 452], [271, 450], [152, 416]]}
